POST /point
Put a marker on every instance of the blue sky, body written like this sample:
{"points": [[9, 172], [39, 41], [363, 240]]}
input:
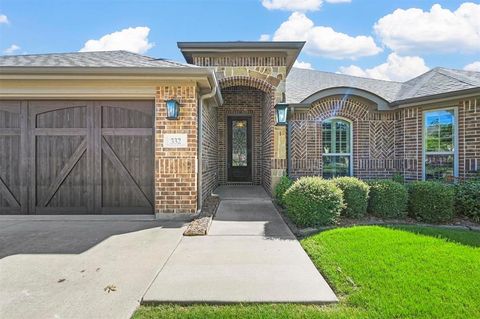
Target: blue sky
{"points": [[359, 37]]}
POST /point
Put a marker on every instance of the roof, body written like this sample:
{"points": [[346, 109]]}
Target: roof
{"points": [[290, 48], [302, 83], [98, 59]]}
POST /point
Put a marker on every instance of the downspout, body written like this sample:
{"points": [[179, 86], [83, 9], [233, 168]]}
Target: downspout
{"points": [[200, 143], [289, 143]]}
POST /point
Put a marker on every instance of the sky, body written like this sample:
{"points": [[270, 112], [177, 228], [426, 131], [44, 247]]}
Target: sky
{"points": [[391, 40]]}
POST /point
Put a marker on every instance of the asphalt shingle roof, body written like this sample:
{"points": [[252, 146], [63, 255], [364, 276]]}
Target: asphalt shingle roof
{"points": [[89, 59], [302, 83]]}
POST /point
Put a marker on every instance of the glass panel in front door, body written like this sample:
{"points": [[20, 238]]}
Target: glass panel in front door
{"points": [[239, 143]]}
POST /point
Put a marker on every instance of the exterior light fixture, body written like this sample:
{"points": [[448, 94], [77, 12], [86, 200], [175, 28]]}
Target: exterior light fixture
{"points": [[281, 111], [173, 109]]}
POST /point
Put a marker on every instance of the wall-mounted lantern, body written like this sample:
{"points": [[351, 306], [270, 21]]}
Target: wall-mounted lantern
{"points": [[281, 111], [173, 109]]}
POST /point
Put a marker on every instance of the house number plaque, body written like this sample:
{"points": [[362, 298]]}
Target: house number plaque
{"points": [[175, 140]]}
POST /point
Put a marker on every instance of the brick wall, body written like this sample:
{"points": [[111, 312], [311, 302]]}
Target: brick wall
{"points": [[175, 169], [209, 150], [384, 142]]}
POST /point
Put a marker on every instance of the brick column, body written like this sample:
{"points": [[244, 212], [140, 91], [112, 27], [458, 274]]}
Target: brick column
{"points": [[176, 168]]}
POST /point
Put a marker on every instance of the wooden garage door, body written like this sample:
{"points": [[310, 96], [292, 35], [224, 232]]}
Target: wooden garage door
{"points": [[76, 157]]}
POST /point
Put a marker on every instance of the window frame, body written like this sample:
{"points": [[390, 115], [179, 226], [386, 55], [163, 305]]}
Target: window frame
{"points": [[455, 140], [350, 154]]}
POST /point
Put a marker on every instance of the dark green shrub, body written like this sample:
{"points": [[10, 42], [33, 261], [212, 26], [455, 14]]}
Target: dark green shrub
{"points": [[281, 188], [430, 201], [387, 199], [312, 201], [355, 195], [467, 199], [399, 178]]}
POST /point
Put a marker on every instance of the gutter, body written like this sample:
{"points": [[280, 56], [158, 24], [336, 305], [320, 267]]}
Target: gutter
{"points": [[435, 97], [214, 92]]}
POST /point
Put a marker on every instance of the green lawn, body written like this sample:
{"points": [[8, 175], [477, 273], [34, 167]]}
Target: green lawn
{"points": [[377, 272]]}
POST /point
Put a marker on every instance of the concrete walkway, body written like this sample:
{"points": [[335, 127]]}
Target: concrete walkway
{"points": [[249, 255]]}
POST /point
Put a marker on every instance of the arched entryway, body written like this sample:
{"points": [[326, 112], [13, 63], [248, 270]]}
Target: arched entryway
{"points": [[245, 131]]}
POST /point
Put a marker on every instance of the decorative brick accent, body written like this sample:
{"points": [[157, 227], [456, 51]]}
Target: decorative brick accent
{"points": [[384, 142], [175, 169]]}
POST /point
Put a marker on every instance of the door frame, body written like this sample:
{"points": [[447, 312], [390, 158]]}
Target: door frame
{"points": [[249, 120]]}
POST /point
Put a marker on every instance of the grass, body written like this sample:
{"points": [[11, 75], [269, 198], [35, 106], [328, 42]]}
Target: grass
{"points": [[377, 272]]}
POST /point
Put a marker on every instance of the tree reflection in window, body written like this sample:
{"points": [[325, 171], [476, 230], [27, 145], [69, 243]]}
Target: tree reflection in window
{"points": [[337, 153], [439, 144]]}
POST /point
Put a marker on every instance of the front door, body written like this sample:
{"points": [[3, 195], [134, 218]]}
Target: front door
{"points": [[239, 149]]}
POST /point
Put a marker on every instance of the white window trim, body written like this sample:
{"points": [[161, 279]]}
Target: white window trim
{"points": [[350, 154], [455, 140]]}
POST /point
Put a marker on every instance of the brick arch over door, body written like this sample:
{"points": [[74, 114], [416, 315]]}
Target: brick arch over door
{"points": [[373, 137], [267, 121]]}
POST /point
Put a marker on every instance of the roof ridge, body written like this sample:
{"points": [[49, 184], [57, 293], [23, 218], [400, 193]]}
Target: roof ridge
{"points": [[458, 77], [348, 75], [422, 79]]}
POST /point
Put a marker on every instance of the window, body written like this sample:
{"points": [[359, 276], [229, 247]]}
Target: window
{"points": [[439, 147], [337, 148]]}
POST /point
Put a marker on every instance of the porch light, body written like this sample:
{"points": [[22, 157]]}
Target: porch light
{"points": [[173, 109], [281, 111]]}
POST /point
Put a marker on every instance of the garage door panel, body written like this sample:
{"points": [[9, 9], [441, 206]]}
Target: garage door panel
{"points": [[70, 157], [127, 171], [13, 193], [73, 117], [61, 171]]}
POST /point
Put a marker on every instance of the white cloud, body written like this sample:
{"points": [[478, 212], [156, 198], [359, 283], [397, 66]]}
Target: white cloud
{"points": [[4, 19], [297, 5], [131, 39], [264, 37], [475, 66], [11, 49], [292, 5], [303, 65], [324, 41], [438, 30], [397, 68]]}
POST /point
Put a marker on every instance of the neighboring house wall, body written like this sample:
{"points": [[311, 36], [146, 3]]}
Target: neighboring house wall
{"points": [[175, 168], [384, 142]]}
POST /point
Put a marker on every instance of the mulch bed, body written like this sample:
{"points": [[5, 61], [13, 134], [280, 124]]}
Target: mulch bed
{"points": [[199, 226], [460, 222]]}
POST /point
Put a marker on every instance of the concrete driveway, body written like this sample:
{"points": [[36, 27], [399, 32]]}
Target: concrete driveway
{"points": [[54, 268]]}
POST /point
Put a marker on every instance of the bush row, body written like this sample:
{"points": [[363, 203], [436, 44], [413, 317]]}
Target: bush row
{"points": [[313, 201]]}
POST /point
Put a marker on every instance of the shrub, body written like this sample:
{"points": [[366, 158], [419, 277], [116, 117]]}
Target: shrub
{"points": [[281, 188], [312, 201], [431, 201], [399, 178], [467, 199], [387, 199], [355, 195]]}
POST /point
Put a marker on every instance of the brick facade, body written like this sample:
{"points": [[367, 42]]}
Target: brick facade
{"points": [[384, 142], [250, 85], [175, 169]]}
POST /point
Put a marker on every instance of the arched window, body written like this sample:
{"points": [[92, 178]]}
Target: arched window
{"points": [[337, 147]]}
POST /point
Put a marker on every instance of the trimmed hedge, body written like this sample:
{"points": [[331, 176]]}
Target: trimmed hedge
{"points": [[467, 199], [355, 196], [431, 202], [312, 201], [387, 199], [282, 186]]}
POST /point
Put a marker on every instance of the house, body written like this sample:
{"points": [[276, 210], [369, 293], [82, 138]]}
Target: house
{"points": [[117, 132]]}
